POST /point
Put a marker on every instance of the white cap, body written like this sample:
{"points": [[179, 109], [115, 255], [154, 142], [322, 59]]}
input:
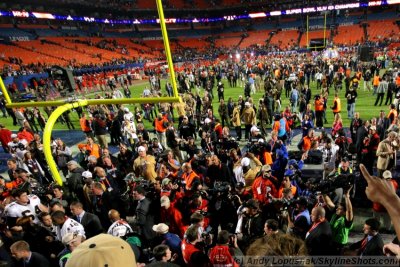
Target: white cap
{"points": [[14, 136], [207, 120], [245, 162], [247, 104], [254, 129], [126, 109], [387, 175], [87, 174], [141, 149]]}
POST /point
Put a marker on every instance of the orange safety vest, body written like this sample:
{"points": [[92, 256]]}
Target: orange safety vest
{"points": [[376, 81], [189, 179], [392, 114], [159, 125], [398, 81], [338, 105], [84, 125], [319, 105], [94, 150], [268, 158]]}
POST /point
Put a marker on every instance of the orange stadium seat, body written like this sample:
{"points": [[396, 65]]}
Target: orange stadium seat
{"points": [[380, 29], [285, 39], [255, 38], [349, 35]]}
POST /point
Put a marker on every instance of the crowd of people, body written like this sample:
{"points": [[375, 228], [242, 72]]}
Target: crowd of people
{"points": [[193, 193]]}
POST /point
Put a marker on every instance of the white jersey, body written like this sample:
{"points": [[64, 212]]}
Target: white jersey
{"points": [[119, 228], [15, 210], [69, 226]]}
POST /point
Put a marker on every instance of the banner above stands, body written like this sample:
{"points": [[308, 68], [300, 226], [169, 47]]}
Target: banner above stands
{"points": [[304, 10]]}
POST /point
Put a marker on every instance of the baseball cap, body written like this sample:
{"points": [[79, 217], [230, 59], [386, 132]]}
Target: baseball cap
{"points": [[70, 237], [266, 168], [254, 129], [247, 104], [103, 250], [14, 136], [165, 181], [141, 149], [207, 120], [164, 200], [87, 174], [387, 174], [289, 172], [245, 162], [161, 228]]}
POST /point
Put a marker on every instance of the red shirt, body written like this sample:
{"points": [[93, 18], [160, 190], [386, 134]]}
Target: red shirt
{"points": [[221, 256], [187, 250], [173, 217], [260, 189], [5, 136]]}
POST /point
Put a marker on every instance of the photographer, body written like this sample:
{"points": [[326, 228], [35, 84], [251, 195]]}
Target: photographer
{"points": [[252, 226], [299, 219], [342, 221], [217, 172], [223, 253]]}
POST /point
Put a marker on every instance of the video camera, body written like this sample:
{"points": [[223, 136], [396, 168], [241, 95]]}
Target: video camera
{"points": [[333, 182]]}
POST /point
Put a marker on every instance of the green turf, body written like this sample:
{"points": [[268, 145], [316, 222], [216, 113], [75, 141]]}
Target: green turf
{"points": [[364, 105]]}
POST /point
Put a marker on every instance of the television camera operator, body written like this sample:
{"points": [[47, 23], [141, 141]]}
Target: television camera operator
{"points": [[342, 221], [222, 207]]}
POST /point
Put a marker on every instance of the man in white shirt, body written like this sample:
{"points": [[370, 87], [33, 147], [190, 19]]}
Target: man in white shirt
{"points": [[66, 225], [120, 227], [329, 156], [24, 205]]}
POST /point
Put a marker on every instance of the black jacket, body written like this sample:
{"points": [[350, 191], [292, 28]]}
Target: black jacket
{"points": [[91, 223], [374, 247], [319, 240], [145, 219], [36, 260]]}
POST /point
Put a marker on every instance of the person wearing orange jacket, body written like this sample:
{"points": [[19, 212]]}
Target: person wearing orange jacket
{"points": [[337, 107], [93, 148], [86, 126], [188, 176], [263, 186], [375, 83], [160, 126]]}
